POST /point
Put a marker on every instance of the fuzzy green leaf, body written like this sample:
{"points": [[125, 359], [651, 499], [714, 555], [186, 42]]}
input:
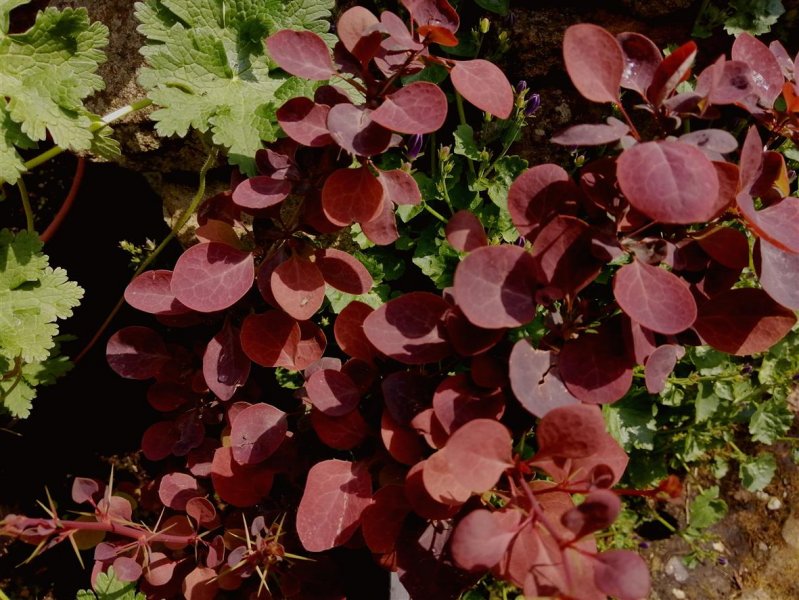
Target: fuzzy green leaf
{"points": [[46, 73], [757, 473], [707, 509], [208, 68]]}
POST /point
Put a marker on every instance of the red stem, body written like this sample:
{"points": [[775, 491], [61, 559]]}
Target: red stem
{"points": [[134, 533], [68, 202]]}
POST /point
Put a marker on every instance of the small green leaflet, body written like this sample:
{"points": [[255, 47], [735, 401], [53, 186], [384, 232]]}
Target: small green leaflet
{"points": [[753, 16], [46, 73], [497, 6], [707, 509], [208, 69], [108, 587], [771, 420]]}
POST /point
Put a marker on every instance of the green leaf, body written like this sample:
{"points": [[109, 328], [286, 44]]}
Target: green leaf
{"points": [[753, 16], [375, 298], [16, 396], [46, 73], [757, 473], [465, 144], [706, 402], [497, 6], [771, 420], [33, 297], [435, 257], [506, 170], [707, 509], [632, 423], [108, 587], [208, 68]]}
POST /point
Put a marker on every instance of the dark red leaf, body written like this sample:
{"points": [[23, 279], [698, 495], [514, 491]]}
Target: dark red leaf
{"points": [[421, 501], [332, 392], [84, 490], [176, 489], [594, 61], [311, 346], [403, 444], [562, 254], [465, 232], [654, 297], [457, 401], [158, 439], [270, 339], [743, 321], [427, 425], [406, 394], [218, 231], [256, 433], [539, 194], [336, 494], [483, 84], [151, 292], [202, 511], [715, 141], [260, 193], [160, 569], [166, 397], [354, 129], [641, 59], [343, 271], [298, 287], [478, 453], [535, 380], [420, 107], [778, 273], [136, 353], [225, 366], [127, 569], [622, 574], [482, 538], [495, 287], [355, 28], [596, 367], [597, 512], [766, 68], [213, 276], [341, 433], [349, 333], [400, 39], [399, 187], [659, 366], [305, 122], [382, 520], [410, 328], [382, 230], [751, 161], [726, 82], [574, 431], [236, 484], [592, 135], [777, 224], [200, 584], [436, 20], [670, 72], [671, 182], [440, 481], [352, 195], [301, 53], [640, 340], [466, 338], [727, 246]]}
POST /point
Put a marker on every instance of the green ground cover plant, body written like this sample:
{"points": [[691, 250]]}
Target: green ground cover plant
{"points": [[393, 334]]}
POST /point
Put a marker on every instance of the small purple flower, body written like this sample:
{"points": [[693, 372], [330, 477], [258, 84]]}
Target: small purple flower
{"points": [[643, 545], [722, 561], [521, 86], [414, 145], [746, 369], [532, 105], [520, 242], [796, 377]]}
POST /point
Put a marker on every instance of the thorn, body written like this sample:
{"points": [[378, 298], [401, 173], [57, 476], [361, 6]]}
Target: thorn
{"points": [[74, 545]]}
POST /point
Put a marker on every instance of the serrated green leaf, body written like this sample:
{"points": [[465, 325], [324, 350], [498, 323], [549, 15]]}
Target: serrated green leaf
{"points": [[208, 68], [108, 587], [46, 73], [33, 297], [757, 473], [506, 170], [632, 423], [753, 16], [707, 509], [339, 300], [465, 144], [16, 396]]}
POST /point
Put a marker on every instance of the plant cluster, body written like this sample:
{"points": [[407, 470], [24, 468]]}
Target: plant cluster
{"points": [[452, 432]]}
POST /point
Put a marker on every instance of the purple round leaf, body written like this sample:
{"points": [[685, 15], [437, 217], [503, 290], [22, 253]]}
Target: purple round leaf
{"points": [[213, 276]]}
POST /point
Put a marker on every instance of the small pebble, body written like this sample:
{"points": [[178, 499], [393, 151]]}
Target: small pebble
{"points": [[790, 532], [774, 503], [761, 495], [676, 569], [719, 547], [679, 594], [763, 546]]}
